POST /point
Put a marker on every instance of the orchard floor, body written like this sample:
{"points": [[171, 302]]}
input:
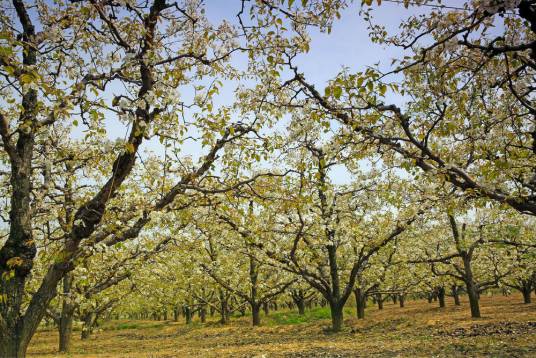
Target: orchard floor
{"points": [[507, 329]]}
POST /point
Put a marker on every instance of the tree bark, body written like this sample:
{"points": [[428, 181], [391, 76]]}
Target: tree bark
{"points": [[472, 290], [359, 303], [379, 301], [187, 314], [298, 297], [526, 291], [224, 309], [87, 325], [175, 313], [336, 317], [66, 319], [18, 252], [441, 296], [401, 300], [256, 314], [473, 300], [455, 295], [301, 306], [203, 314], [255, 306]]}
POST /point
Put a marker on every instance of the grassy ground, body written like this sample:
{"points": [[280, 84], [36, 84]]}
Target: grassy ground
{"points": [[507, 329]]}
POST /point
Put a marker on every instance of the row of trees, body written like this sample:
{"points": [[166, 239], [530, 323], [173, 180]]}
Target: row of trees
{"points": [[276, 246], [440, 191]]}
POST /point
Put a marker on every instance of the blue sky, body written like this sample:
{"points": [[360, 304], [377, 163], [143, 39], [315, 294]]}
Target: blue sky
{"points": [[348, 45]]}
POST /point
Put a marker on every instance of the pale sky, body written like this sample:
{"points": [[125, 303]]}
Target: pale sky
{"points": [[348, 45]]}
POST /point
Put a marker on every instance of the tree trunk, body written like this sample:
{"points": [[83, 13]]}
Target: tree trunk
{"points": [[265, 308], [11, 345], [255, 306], [87, 325], [473, 300], [187, 314], [299, 300], [175, 313], [526, 296], [526, 291], [472, 291], [301, 306], [429, 298], [18, 252], [203, 314], [224, 307], [256, 314], [401, 300], [441, 296], [379, 300], [359, 303], [455, 295], [336, 317], [66, 319], [224, 310], [394, 298]]}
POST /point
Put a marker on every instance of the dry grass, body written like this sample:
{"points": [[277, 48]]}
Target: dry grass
{"points": [[507, 329]]}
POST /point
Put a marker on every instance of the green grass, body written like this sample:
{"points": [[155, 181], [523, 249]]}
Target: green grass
{"points": [[292, 317]]}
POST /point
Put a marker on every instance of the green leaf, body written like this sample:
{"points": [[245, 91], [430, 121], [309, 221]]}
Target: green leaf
{"points": [[26, 78], [383, 89], [337, 92]]}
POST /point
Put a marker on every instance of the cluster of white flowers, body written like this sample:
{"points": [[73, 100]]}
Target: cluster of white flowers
{"points": [[129, 57], [54, 34], [124, 105], [451, 45], [101, 247], [150, 97], [79, 222], [126, 117]]}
